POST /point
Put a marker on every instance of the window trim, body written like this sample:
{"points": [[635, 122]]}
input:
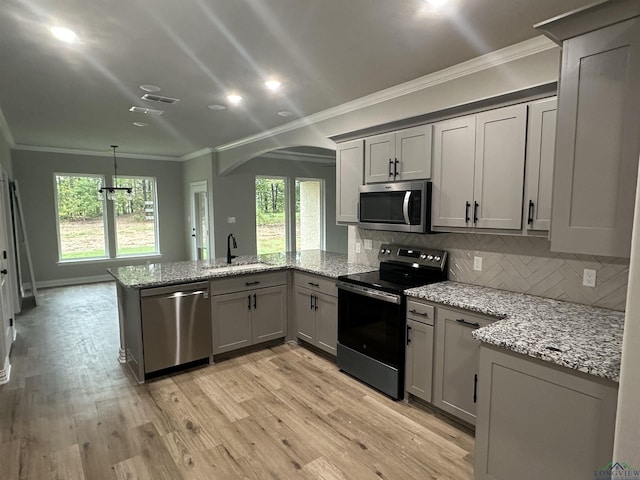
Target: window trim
{"points": [[287, 209], [323, 210]]}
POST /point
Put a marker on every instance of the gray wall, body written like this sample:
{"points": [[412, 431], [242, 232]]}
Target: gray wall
{"points": [[234, 196], [34, 172], [198, 169], [5, 155]]}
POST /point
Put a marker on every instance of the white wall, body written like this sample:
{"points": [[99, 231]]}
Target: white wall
{"points": [[34, 172], [627, 439]]}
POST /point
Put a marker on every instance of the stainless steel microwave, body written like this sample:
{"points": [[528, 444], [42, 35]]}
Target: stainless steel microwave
{"points": [[398, 207]]}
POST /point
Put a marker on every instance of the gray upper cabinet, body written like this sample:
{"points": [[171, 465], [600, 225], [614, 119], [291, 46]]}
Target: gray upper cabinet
{"points": [[398, 156], [541, 139], [349, 157], [597, 144], [478, 172]]}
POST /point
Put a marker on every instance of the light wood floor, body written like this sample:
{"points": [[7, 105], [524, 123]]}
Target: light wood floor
{"points": [[71, 411]]}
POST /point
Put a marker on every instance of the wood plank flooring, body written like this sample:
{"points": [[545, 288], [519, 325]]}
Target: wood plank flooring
{"points": [[71, 411]]}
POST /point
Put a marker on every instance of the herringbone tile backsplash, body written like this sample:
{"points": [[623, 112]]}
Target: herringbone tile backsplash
{"points": [[518, 264]]}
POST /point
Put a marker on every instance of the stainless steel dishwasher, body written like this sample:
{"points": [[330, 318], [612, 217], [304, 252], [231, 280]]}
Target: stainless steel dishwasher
{"points": [[176, 325]]}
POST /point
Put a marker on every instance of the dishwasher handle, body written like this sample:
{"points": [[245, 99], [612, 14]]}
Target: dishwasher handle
{"points": [[174, 291]]}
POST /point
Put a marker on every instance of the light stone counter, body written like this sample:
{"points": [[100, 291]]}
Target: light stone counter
{"points": [[580, 337]]}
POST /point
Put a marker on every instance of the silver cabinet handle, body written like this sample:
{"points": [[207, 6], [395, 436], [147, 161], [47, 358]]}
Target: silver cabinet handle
{"points": [[415, 312]]}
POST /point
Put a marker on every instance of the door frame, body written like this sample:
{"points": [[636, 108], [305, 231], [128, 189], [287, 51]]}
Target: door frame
{"points": [[200, 186]]}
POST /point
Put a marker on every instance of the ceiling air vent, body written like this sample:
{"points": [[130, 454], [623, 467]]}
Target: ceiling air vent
{"points": [[158, 98], [148, 111]]}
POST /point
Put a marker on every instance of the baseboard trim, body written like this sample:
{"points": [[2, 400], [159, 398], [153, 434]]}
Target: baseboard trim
{"points": [[64, 282], [5, 373]]}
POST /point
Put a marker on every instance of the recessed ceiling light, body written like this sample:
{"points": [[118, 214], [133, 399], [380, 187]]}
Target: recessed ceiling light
{"points": [[140, 124], [234, 99], [285, 113], [150, 88], [273, 85], [217, 106], [64, 34]]}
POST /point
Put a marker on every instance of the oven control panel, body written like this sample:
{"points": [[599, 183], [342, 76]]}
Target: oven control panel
{"points": [[425, 257]]}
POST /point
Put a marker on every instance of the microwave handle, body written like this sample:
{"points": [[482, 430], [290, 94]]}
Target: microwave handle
{"points": [[405, 207]]}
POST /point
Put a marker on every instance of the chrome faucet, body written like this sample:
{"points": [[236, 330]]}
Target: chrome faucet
{"points": [[235, 245]]}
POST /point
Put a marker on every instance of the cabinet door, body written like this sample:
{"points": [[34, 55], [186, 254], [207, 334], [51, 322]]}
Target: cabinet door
{"points": [[419, 359], [305, 314], [453, 157], [379, 157], [327, 322], [499, 167], [456, 364], [541, 140], [413, 152], [349, 156], [598, 143], [269, 314], [231, 317]]}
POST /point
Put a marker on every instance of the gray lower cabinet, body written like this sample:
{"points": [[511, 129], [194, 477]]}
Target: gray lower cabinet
{"points": [[535, 418], [250, 315], [456, 362], [419, 352], [316, 309]]}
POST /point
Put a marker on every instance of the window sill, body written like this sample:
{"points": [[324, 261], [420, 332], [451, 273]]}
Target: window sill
{"points": [[124, 258]]}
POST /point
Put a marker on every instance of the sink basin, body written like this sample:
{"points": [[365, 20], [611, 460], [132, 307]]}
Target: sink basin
{"points": [[237, 268]]}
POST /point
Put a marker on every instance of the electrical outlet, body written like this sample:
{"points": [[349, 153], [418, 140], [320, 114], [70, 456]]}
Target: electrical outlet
{"points": [[477, 264], [358, 249], [368, 244], [589, 277], [231, 219]]}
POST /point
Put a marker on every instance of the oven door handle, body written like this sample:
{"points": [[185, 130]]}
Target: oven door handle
{"points": [[369, 292], [405, 207]]}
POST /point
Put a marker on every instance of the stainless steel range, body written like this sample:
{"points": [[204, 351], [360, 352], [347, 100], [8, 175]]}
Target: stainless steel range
{"points": [[372, 315]]}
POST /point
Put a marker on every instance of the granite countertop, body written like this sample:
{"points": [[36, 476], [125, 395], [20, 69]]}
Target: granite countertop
{"points": [[580, 337], [319, 262]]}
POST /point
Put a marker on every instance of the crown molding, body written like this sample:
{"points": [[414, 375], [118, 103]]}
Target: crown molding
{"points": [[302, 156], [6, 131], [94, 153], [505, 55], [196, 154]]}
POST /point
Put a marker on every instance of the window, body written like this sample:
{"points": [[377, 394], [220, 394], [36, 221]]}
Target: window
{"points": [[82, 218], [271, 215], [81, 222], [310, 217], [136, 224]]}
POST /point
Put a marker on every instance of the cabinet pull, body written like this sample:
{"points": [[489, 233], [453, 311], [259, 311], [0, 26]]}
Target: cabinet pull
{"points": [[475, 388], [311, 302], [395, 167], [255, 301], [462, 321], [408, 338], [249, 301], [530, 215], [248, 284], [314, 284], [415, 312], [316, 302], [390, 168], [466, 212], [475, 212]]}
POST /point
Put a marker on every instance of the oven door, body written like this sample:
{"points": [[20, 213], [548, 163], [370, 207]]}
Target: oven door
{"points": [[372, 323]]}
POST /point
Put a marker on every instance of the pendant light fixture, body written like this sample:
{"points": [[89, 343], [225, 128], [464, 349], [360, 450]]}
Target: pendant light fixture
{"points": [[110, 192]]}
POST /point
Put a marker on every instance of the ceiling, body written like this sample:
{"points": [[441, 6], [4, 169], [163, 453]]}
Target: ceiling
{"points": [[325, 53]]}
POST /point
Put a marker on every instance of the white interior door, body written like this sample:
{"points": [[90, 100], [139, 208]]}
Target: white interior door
{"points": [[199, 221], [6, 299]]}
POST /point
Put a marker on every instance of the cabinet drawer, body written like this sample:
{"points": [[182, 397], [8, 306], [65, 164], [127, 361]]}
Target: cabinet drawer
{"points": [[250, 281], [316, 283], [420, 312]]}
